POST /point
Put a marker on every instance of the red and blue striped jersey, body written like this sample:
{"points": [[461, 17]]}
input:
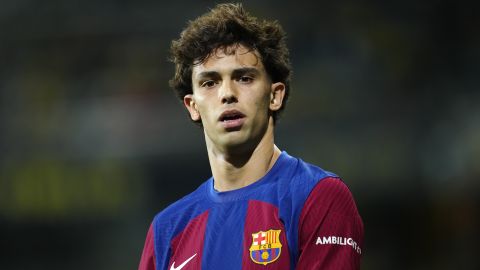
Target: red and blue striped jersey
{"points": [[297, 216]]}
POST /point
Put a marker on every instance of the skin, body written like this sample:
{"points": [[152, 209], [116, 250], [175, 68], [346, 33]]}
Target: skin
{"points": [[234, 78]]}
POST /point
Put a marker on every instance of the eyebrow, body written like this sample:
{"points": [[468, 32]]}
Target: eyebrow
{"points": [[240, 71], [235, 73]]}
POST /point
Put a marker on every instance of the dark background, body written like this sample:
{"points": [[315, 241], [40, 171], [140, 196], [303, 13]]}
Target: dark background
{"points": [[93, 141]]}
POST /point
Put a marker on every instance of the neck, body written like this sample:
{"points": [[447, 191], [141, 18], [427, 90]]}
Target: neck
{"points": [[237, 167]]}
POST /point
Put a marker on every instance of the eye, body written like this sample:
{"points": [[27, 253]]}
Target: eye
{"points": [[208, 84], [245, 79]]}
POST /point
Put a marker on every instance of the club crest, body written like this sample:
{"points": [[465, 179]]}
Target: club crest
{"points": [[266, 246]]}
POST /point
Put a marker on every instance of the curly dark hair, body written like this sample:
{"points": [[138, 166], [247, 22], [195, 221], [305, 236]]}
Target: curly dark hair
{"points": [[224, 26]]}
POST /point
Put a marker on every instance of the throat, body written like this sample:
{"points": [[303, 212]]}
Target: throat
{"points": [[238, 173]]}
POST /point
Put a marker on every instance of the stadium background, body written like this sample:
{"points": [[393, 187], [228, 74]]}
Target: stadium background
{"points": [[93, 141]]}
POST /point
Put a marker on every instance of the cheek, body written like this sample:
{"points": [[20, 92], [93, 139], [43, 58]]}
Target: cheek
{"points": [[263, 102], [200, 104], [206, 113], [261, 107]]}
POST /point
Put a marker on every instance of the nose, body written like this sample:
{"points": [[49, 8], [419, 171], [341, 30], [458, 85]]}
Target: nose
{"points": [[228, 93]]}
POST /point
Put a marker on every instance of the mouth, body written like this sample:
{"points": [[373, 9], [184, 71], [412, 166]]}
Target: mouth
{"points": [[232, 119]]}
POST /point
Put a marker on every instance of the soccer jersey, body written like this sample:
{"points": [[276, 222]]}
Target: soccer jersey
{"points": [[297, 216]]}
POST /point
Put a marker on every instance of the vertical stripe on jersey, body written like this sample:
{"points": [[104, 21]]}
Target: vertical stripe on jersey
{"points": [[188, 244], [224, 236], [262, 216]]}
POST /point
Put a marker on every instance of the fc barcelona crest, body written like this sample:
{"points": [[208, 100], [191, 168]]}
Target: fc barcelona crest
{"points": [[266, 246]]}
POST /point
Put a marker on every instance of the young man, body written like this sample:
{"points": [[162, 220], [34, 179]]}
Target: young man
{"points": [[262, 208]]}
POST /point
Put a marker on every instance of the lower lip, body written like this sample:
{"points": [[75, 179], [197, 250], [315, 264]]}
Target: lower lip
{"points": [[233, 124]]}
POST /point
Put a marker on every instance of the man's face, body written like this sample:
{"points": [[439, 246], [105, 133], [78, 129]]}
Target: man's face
{"points": [[233, 97]]}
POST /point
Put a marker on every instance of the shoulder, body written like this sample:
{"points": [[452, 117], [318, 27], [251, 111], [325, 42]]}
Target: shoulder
{"points": [[182, 210], [311, 186], [171, 221], [304, 177], [311, 173], [333, 194], [322, 188]]}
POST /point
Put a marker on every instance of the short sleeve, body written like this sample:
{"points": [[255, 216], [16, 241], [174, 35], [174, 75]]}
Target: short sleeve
{"points": [[330, 228]]}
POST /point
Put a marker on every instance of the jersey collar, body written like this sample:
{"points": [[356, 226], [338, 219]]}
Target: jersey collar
{"points": [[244, 192]]}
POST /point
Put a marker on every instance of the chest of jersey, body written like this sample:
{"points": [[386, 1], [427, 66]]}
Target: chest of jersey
{"points": [[246, 234]]}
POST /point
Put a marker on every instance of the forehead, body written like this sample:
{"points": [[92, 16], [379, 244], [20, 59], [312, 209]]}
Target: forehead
{"points": [[226, 59]]}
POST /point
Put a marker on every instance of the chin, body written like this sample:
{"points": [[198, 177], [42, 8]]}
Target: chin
{"points": [[234, 139]]}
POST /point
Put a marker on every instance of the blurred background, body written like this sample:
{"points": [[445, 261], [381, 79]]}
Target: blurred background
{"points": [[94, 143]]}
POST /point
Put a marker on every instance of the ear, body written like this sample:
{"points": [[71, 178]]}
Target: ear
{"points": [[191, 106], [276, 96]]}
